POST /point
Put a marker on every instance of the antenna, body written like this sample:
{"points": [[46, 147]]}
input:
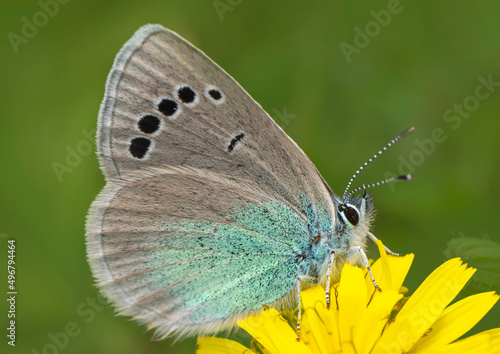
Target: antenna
{"points": [[392, 142], [388, 180]]}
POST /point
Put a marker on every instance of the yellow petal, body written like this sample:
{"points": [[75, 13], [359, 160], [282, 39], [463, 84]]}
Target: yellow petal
{"points": [[319, 325], [484, 342], [273, 332], [442, 286], [386, 278], [424, 307], [352, 302], [372, 323], [456, 320], [213, 345]]}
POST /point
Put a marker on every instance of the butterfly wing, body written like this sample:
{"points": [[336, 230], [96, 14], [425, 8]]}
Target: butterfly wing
{"points": [[168, 104], [191, 251], [207, 202]]}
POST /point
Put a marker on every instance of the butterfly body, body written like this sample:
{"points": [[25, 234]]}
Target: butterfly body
{"points": [[210, 210]]}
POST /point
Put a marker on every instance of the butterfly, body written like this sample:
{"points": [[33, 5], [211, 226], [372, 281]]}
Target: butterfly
{"points": [[209, 210]]}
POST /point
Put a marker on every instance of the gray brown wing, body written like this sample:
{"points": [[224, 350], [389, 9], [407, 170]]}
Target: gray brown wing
{"points": [[189, 252], [168, 104]]}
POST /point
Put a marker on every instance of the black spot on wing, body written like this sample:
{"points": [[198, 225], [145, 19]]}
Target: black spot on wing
{"points": [[215, 94], [168, 107], [139, 147], [235, 141], [186, 94], [149, 124]]}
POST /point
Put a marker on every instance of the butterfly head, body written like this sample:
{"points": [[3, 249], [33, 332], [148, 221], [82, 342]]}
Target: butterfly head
{"points": [[350, 213], [354, 217]]}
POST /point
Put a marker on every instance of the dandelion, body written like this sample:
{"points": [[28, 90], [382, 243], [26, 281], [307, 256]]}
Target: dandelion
{"points": [[363, 320]]}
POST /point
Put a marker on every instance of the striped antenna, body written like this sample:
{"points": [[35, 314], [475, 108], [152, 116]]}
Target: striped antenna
{"points": [[389, 180], [392, 142]]}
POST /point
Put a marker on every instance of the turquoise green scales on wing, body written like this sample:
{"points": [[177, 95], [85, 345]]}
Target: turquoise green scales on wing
{"points": [[207, 202], [188, 263]]}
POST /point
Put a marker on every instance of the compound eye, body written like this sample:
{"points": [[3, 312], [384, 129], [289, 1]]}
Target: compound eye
{"points": [[350, 213]]}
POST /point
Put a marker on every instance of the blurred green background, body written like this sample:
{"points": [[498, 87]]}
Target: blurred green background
{"points": [[339, 94]]}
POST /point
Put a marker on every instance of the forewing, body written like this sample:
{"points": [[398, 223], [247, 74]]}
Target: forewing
{"points": [[167, 104], [192, 252]]}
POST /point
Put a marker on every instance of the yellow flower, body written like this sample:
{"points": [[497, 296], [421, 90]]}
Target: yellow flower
{"points": [[362, 320]]}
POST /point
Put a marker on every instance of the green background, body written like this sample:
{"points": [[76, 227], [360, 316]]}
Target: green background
{"points": [[287, 54]]}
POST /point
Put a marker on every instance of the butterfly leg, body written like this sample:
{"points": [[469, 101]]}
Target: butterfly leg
{"points": [[374, 239], [353, 253], [299, 312], [298, 309], [328, 278]]}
